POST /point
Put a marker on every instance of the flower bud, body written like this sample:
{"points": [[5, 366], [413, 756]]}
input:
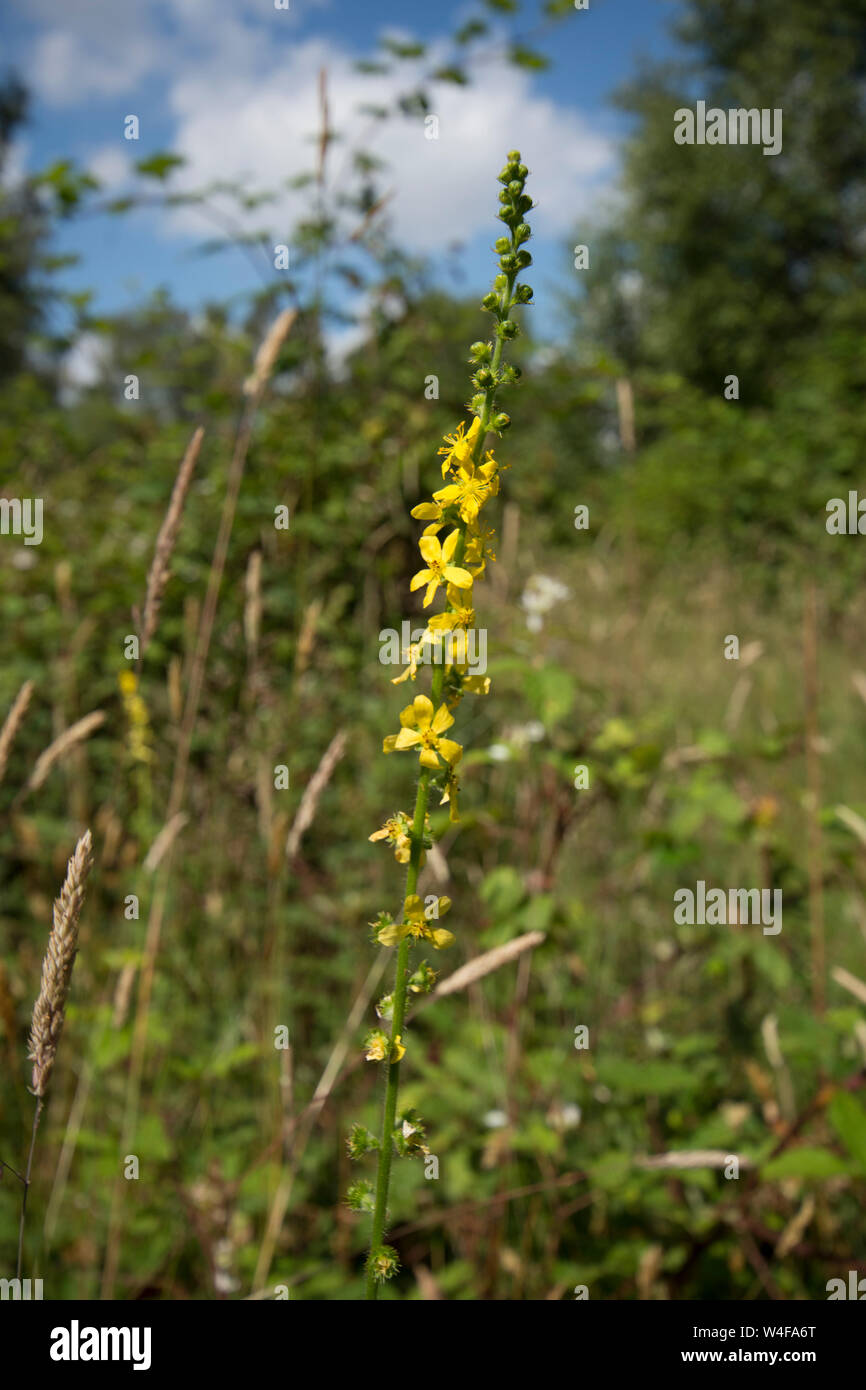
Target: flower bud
{"points": [[524, 259], [515, 188], [501, 245], [522, 233], [490, 301], [508, 329], [513, 157], [481, 352], [477, 404], [522, 172], [509, 262], [500, 282], [483, 378], [523, 294], [501, 422]]}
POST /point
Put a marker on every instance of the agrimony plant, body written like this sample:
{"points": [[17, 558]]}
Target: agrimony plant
{"points": [[455, 549]]}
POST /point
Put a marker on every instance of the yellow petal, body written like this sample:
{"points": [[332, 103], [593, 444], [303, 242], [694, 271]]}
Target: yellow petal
{"points": [[461, 578], [427, 758], [451, 751], [423, 706], [442, 938], [430, 549], [391, 935], [407, 738], [450, 545], [442, 719]]}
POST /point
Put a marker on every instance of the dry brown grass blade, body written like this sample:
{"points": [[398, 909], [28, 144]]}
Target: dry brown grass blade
{"points": [[164, 840], [483, 965], [14, 720], [850, 982], [266, 357], [690, 1158], [70, 738], [316, 785], [165, 542]]}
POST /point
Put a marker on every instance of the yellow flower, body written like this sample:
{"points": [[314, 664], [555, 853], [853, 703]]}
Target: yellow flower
{"points": [[416, 924], [413, 655], [424, 729], [439, 567], [376, 1045], [471, 488], [137, 717], [478, 552], [459, 445], [398, 1051], [396, 830]]}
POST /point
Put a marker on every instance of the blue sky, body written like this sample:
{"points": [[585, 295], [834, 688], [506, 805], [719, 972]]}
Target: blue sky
{"points": [[232, 85]]}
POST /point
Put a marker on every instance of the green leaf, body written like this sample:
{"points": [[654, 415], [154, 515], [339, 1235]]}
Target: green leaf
{"points": [[804, 1163], [848, 1118], [160, 165], [451, 74], [523, 57]]}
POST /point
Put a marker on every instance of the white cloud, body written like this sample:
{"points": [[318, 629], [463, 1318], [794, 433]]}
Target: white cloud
{"points": [[262, 127]]}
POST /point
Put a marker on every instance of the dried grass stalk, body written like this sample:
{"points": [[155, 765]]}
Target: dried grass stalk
{"points": [[491, 960], [14, 720], [316, 785], [160, 567], [49, 1009], [266, 357], [75, 734]]}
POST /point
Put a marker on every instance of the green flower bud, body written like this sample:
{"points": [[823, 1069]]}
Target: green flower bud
{"points": [[423, 979], [500, 282], [508, 329], [360, 1142], [523, 294], [513, 157], [509, 262], [522, 172], [522, 233], [505, 175], [515, 188], [481, 352], [501, 245], [490, 301], [524, 259], [477, 404], [501, 422], [360, 1196], [525, 203], [510, 374], [385, 1006], [483, 378], [383, 1263]]}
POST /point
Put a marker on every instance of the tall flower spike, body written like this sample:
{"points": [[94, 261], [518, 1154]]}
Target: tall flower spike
{"points": [[452, 567]]}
